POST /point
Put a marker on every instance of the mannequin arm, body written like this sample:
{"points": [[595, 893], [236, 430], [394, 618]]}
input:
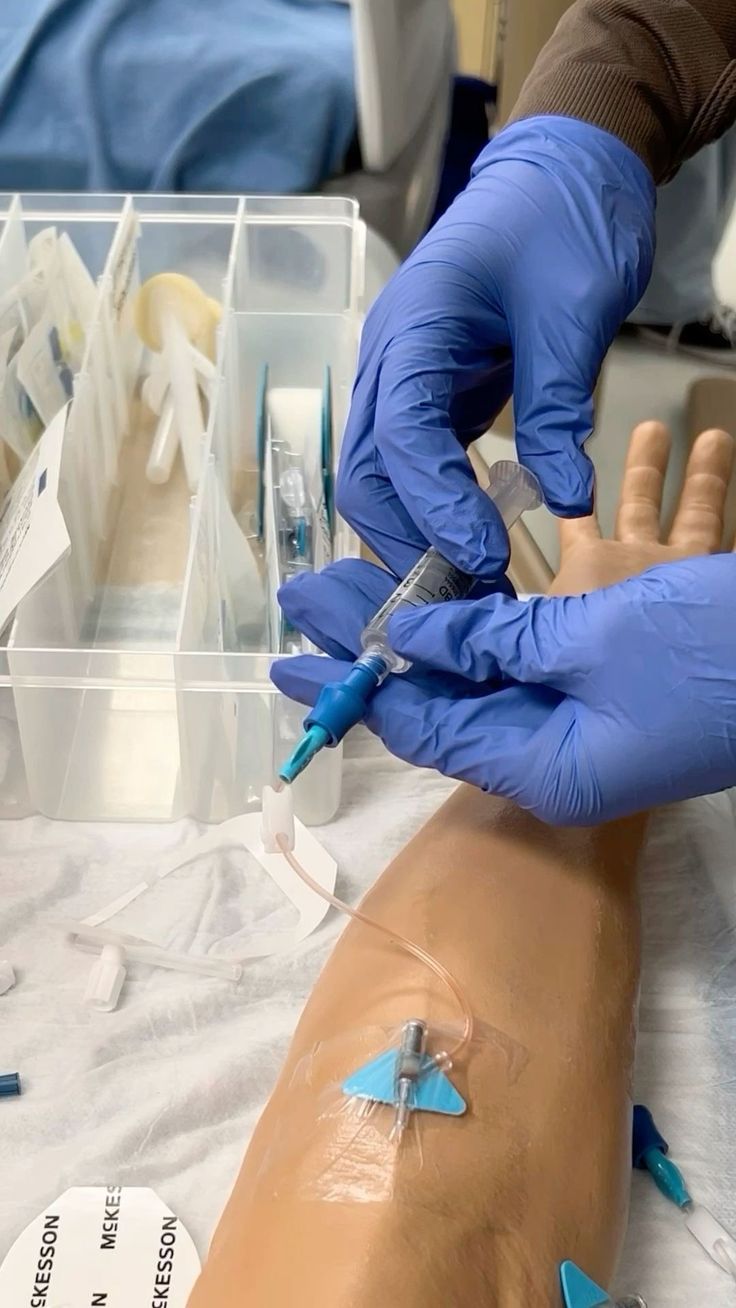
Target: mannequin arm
{"points": [[541, 928]]}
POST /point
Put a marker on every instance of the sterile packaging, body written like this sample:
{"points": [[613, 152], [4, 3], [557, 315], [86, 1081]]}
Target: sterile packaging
{"points": [[145, 654], [43, 371], [252, 842], [45, 317], [20, 423]]}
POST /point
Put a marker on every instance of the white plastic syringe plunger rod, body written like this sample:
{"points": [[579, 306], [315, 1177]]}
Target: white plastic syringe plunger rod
{"points": [[164, 446], [514, 490], [171, 311], [184, 393]]}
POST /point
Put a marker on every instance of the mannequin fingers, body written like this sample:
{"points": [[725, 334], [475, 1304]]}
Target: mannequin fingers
{"points": [[640, 502], [698, 522]]}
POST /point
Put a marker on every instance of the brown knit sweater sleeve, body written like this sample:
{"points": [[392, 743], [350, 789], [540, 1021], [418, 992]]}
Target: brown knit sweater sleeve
{"points": [[659, 74]]}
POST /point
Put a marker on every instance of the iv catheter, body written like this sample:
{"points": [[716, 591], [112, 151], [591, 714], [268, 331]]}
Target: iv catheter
{"points": [[578, 1291], [408, 1070], [649, 1153], [409, 1079], [432, 580]]}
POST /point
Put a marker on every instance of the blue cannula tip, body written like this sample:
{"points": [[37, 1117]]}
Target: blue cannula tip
{"points": [[313, 740], [668, 1178], [9, 1085], [649, 1151]]}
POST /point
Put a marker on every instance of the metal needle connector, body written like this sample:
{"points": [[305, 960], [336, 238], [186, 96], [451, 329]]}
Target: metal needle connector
{"points": [[409, 1062]]}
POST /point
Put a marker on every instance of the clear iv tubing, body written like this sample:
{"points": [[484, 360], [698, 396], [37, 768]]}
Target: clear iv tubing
{"points": [[446, 1057]]}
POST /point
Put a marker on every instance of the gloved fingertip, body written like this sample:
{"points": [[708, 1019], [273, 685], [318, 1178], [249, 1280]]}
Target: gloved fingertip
{"points": [[416, 632], [567, 479], [292, 593], [280, 672], [489, 566], [302, 676], [481, 546], [406, 630], [445, 638]]}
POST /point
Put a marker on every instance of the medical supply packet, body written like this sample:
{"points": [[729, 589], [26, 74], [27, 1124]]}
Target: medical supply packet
{"points": [[106, 1247]]}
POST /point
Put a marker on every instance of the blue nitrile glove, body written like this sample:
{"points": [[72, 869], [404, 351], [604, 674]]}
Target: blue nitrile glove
{"points": [[521, 285], [621, 699]]}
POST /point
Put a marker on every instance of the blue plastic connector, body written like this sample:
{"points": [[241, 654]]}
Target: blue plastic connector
{"points": [[9, 1085], [649, 1153], [340, 706], [645, 1136]]}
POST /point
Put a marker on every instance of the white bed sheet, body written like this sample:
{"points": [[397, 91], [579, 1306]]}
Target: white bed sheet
{"points": [[166, 1091]]}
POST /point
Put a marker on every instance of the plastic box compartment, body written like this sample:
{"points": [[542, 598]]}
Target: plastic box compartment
{"points": [[135, 681]]}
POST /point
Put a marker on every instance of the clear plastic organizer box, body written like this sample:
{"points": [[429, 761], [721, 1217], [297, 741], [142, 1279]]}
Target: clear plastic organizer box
{"points": [[134, 680]]}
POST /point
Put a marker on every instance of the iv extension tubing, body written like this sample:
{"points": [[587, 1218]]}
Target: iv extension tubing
{"points": [[275, 814], [340, 705]]}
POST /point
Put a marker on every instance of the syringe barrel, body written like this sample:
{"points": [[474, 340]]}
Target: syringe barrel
{"points": [[432, 580]]}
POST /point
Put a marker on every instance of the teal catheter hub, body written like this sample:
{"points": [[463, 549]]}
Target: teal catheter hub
{"points": [[650, 1151]]}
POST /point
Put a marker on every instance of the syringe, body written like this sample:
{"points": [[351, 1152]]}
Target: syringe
{"points": [[341, 704]]}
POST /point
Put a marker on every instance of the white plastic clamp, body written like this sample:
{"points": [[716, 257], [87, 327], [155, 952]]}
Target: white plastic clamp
{"points": [[106, 980], [277, 818]]}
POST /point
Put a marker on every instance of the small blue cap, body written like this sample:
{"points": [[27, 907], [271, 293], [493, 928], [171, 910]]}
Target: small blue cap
{"points": [[645, 1136], [9, 1085]]}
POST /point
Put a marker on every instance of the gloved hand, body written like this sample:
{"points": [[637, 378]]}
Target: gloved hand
{"points": [[525, 282], [621, 699]]}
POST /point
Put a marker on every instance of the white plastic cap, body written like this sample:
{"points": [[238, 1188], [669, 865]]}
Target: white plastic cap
{"points": [[277, 818], [713, 1237], [106, 980], [7, 977]]}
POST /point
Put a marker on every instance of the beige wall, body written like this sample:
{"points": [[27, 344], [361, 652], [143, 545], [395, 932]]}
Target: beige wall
{"points": [[477, 24], [528, 25], [500, 39]]}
